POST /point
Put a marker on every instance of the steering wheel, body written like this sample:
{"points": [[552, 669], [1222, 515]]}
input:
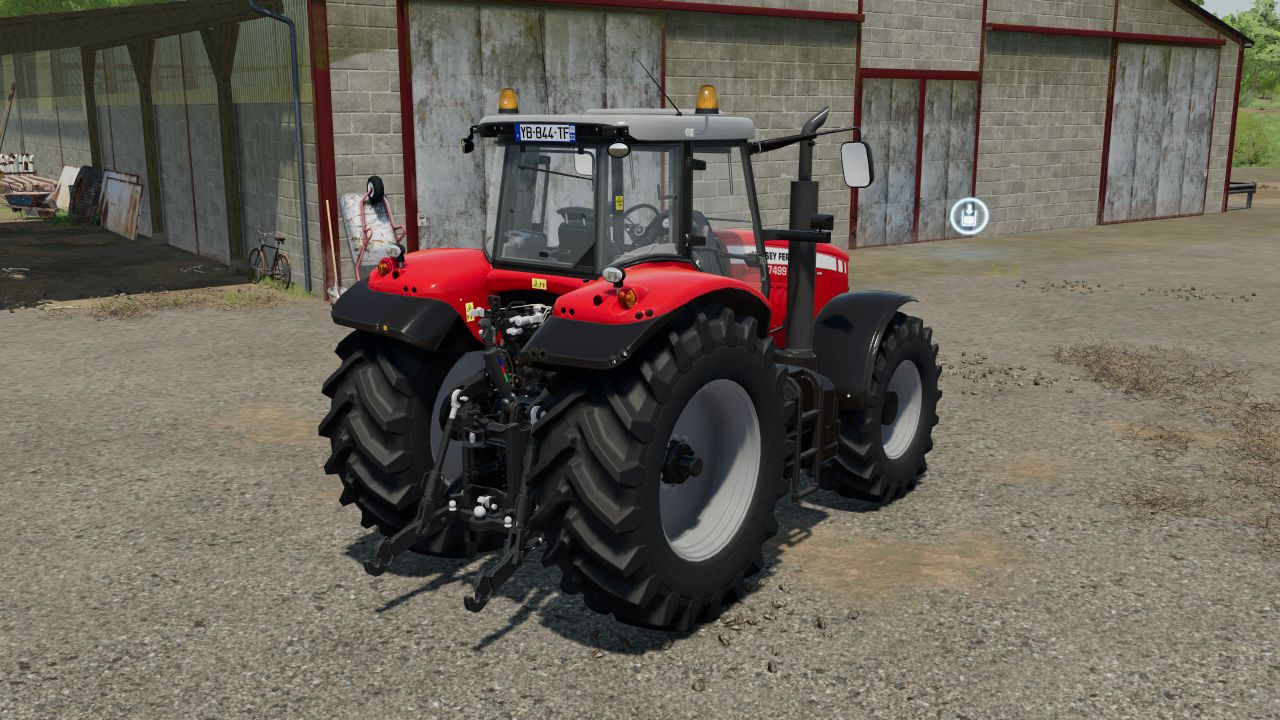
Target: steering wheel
{"points": [[634, 229]]}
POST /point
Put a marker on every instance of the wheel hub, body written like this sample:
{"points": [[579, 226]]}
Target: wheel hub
{"points": [[681, 463], [890, 411], [701, 518]]}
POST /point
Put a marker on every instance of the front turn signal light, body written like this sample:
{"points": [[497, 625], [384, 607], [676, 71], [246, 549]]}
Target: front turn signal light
{"points": [[385, 265], [627, 298]]}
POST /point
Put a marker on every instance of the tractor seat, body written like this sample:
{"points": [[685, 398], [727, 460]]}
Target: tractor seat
{"points": [[577, 234], [523, 245]]}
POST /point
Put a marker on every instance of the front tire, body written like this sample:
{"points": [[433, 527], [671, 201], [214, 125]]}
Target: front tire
{"points": [[881, 453], [629, 526], [383, 423]]}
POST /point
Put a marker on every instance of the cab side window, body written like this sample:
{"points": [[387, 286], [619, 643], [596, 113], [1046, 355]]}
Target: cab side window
{"points": [[724, 214]]}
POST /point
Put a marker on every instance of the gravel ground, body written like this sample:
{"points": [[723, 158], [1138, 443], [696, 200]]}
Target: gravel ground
{"points": [[170, 547]]}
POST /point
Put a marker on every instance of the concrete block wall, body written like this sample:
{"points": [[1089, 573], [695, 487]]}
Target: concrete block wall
{"points": [[922, 34], [1044, 103], [364, 71], [1220, 144], [1076, 14], [778, 72], [1160, 17]]}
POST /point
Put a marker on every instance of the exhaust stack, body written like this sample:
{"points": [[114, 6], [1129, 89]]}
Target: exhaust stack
{"points": [[802, 257]]}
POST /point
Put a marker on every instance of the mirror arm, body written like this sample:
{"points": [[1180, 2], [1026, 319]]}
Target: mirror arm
{"points": [[764, 146], [821, 237]]}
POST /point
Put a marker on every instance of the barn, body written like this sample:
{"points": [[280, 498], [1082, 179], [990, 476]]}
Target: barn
{"points": [[1057, 114]]}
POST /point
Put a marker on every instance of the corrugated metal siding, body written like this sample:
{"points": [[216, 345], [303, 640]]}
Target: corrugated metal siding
{"points": [[120, 113], [182, 229], [263, 92]]}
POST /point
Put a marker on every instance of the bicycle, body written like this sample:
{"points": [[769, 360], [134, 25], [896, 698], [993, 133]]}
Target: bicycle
{"points": [[280, 270]]}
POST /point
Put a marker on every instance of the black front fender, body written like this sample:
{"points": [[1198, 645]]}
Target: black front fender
{"points": [[847, 336], [421, 322]]}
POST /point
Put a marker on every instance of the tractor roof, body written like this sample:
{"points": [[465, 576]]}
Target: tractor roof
{"points": [[656, 125]]}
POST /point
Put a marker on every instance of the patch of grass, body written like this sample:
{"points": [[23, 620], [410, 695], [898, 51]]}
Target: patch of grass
{"points": [[1242, 470], [62, 217], [124, 307], [1257, 140], [1004, 270]]}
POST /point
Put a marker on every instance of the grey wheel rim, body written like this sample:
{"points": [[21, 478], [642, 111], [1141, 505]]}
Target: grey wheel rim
{"points": [[701, 516], [897, 436]]}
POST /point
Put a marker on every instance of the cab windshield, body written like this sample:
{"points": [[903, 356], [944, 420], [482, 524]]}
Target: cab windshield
{"points": [[578, 210]]}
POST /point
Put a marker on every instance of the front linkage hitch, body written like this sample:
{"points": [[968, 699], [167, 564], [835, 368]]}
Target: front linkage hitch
{"points": [[469, 425]]}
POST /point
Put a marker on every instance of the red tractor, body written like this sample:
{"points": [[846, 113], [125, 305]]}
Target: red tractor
{"points": [[631, 372]]}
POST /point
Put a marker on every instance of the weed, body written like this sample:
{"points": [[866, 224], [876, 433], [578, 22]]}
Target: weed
{"points": [[125, 307]]}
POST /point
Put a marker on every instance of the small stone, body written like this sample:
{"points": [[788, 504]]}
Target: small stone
{"points": [[770, 617], [853, 614], [784, 588], [772, 666], [724, 640], [597, 654], [820, 624], [699, 685], [779, 604]]}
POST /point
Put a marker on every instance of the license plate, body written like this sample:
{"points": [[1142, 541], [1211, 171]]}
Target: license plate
{"points": [[546, 133]]}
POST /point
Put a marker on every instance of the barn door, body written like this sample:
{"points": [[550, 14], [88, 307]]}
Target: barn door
{"points": [[1161, 125], [561, 60], [891, 126], [921, 133], [946, 167]]}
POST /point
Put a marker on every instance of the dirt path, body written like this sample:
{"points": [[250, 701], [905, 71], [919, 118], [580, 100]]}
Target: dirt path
{"points": [[169, 545]]}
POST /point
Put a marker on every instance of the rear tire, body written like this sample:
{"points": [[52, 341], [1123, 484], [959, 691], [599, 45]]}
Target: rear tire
{"points": [[648, 551], [881, 461], [280, 271], [382, 425]]}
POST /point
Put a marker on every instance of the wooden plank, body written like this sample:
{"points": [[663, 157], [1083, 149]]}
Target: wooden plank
{"points": [[876, 95], [1146, 173], [901, 177], [961, 157], [1199, 133], [935, 160], [1124, 131], [1173, 145]]}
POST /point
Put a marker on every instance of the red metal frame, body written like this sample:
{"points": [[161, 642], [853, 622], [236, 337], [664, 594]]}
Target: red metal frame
{"points": [[326, 164], [977, 120], [924, 76], [407, 134], [671, 5], [1213, 122], [915, 216], [1106, 132], [1235, 115], [852, 242], [896, 74], [1124, 36]]}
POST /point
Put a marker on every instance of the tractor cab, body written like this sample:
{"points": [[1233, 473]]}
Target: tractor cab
{"points": [[575, 194]]}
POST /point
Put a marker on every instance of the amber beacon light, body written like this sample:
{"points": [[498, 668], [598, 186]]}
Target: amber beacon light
{"points": [[508, 102], [708, 100]]}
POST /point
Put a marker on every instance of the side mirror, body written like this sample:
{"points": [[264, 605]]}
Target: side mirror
{"points": [[584, 164], [619, 150], [859, 171]]}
